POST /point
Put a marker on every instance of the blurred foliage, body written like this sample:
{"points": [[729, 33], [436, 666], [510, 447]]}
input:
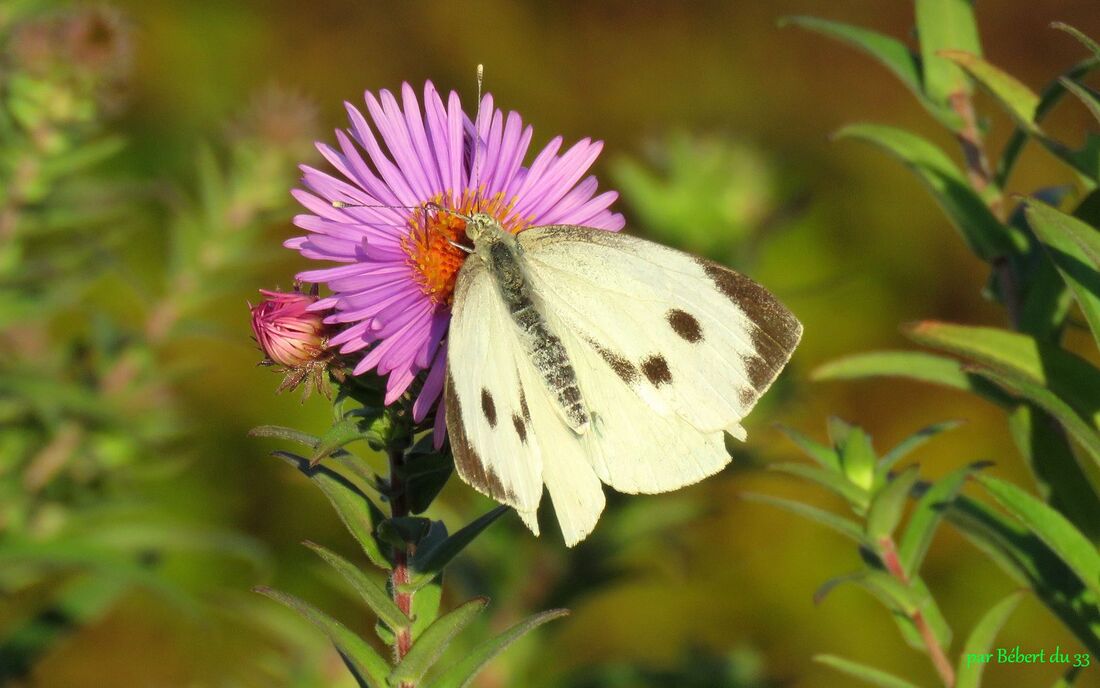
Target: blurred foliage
{"points": [[1044, 266], [695, 586]]}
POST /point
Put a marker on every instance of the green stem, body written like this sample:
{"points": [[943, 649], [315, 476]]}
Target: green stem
{"points": [[399, 507]]}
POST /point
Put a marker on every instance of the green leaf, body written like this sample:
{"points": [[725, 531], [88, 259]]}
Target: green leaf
{"points": [[372, 593], [367, 665], [858, 459], [1050, 97], [429, 561], [945, 25], [889, 590], [358, 513], [914, 365], [927, 515], [344, 432], [825, 456], [1085, 40], [907, 445], [1051, 527], [888, 51], [844, 526], [888, 505], [425, 606], [404, 530], [856, 496], [424, 473], [1029, 561], [427, 650], [1086, 95], [1075, 248], [972, 659], [871, 675], [1081, 431], [1060, 479], [1019, 356], [290, 434], [967, 211], [462, 674], [1019, 100]]}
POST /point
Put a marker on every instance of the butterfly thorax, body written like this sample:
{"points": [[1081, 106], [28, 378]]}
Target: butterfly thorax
{"points": [[503, 257]]}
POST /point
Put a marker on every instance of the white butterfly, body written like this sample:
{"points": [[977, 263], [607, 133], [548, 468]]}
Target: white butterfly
{"points": [[579, 356]]}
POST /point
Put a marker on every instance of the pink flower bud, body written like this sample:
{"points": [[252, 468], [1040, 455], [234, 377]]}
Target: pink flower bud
{"points": [[288, 333]]}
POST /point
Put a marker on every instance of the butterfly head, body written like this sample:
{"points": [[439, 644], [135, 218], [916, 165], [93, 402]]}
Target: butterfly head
{"points": [[481, 226]]}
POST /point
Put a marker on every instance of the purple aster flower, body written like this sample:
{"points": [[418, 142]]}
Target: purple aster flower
{"points": [[392, 294]]}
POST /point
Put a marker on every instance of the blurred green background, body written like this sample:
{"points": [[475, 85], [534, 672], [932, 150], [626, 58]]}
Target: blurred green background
{"points": [[709, 94]]}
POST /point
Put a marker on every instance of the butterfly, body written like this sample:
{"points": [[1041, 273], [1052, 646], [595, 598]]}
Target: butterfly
{"points": [[579, 357]]}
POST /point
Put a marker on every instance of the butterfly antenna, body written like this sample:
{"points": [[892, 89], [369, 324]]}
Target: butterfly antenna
{"points": [[479, 160]]}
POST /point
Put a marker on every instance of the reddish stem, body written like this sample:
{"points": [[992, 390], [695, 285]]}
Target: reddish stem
{"points": [[889, 552], [399, 507]]}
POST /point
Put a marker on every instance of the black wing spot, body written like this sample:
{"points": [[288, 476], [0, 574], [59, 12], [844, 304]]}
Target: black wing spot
{"points": [[523, 404], [521, 428], [488, 408], [622, 367], [656, 370], [685, 324]]}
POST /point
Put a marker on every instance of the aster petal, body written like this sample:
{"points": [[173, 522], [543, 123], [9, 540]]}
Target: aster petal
{"points": [[436, 117], [390, 122], [415, 125], [433, 385], [389, 172]]}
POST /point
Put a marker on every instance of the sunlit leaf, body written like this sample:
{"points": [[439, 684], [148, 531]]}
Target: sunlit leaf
{"points": [[1075, 248], [888, 51], [945, 25], [857, 458], [462, 674], [429, 561], [372, 593], [889, 590], [967, 211], [888, 504], [909, 444], [825, 456], [427, 650], [357, 511], [844, 526], [1019, 100], [927, 515], [980, 641], [869, 675], [367, 665], [1078, 553], [1080, 36], [1086, 95], [858, 497]]}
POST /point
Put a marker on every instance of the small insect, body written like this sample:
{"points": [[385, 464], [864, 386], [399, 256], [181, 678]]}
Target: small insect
{"points": [[579, 357]]}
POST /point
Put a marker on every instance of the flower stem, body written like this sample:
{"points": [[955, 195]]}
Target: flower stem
{"points": [[399, 507], [890, 559]]}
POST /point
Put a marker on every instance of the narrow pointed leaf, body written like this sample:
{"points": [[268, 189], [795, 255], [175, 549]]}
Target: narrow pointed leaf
{"points": [[463, 673], [342, 433], [889, 590], [1086, 95], [1075, 248], [289, 434], [981, 639], [945, 25], [358, 513], [825, 456], [1078, 553], [1084, 39], [888, 505], [368, 666], [1029, 561], [372, 593], [914, 365], [844, 526], [1015, 354], [1019, 100], [888, 51], [909, 444], [869, 675], [1078, 428], [428, 649], [927, 515], [856, 496], [429, 561], [967, 211]]}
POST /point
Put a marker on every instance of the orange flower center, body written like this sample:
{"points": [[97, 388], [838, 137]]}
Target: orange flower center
{"points": [[431, 231]]}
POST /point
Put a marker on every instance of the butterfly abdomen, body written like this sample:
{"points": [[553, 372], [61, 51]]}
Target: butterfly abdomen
{"points": [[546, 351]]}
